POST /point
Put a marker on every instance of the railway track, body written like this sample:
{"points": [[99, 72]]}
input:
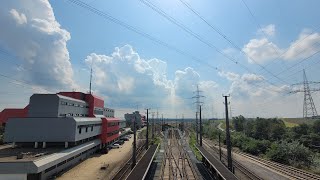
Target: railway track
{"points": [[291, 172], [238, 166], [126, 167], [177, 164], [284, 169]]}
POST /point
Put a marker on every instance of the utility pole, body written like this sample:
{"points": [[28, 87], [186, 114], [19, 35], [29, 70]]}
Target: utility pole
{"points": [[182, 122], [152, 128], [198, 103], [134, 143], [90, 78], [177, 121], [147, 134], [161, 119], [220, 144], [228, 134], [200, 127], [197, 127]]}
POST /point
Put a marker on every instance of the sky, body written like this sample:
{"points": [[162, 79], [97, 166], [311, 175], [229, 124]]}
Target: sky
{"points": [[154, 54]]}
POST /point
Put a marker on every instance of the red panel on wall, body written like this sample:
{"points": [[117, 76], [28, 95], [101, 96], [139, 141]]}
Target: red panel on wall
{"points": [[104, 126], [13, 113], [75, 95], [105, 130]]}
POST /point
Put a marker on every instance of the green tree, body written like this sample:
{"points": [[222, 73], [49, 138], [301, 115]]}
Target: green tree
{"points": [[238, 123], [261, 129], [249, 128], [277, 129], [293, 153], [316, 126], [302, 129]]}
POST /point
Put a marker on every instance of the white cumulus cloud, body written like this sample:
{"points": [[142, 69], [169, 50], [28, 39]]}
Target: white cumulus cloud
{"points": [[30, 32], [268, 30], [261, 50], [126, 80], [305, 46]]}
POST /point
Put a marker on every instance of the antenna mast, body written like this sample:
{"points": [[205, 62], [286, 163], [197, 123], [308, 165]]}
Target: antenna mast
{"points": [[90, 78]]}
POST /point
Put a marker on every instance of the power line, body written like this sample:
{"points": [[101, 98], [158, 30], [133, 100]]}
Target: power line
{"points": [[307, 67], [304, 59], [283, 53], [294, 45], [193, 34], [20, 82], [151, 38], [228, 39], [136, 30]]}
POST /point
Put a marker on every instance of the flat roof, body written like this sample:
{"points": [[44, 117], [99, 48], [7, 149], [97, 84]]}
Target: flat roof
{"points": [[9, 154], [70, 98], [86, 119], [9, 164]]}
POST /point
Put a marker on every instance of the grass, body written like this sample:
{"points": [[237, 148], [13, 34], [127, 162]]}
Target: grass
{"points": [[291, 122], [192, 143], [156, 140]]}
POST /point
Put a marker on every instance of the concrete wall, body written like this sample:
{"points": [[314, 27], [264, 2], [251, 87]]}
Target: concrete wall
{"points": [[53, 105], [49, 129], [88, 129], [13, 176], [43, 105]]}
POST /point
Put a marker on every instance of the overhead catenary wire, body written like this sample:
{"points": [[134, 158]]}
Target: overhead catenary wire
{"points": [[295, 44], [301, 61], [228, 39], [193, 34], [283, 53], [107, 16]]}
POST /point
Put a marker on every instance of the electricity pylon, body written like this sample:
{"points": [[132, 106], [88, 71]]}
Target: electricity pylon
{"points": [[309, 109]]}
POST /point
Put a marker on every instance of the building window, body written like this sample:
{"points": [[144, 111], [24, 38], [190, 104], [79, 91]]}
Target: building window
{"points": [[91, 128], [86, 129], [80, 130], [63, 103], [99, 112]]}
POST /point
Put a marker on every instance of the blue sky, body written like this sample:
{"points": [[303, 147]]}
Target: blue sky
{"points": [[55, 42]]}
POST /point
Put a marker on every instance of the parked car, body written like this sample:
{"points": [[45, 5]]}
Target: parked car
{"points": [[121, 142], [115, 146], [128, 136], [124, 139]]}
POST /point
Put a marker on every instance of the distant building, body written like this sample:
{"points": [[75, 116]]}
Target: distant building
{"points": [[134, 116], [54, 132], [122, 124]]}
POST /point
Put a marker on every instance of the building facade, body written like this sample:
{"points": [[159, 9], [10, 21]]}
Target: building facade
{"points": [[55, 123], [135, 116]]}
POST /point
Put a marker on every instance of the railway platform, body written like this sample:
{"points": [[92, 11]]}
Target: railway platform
{"points": [[217, 169], [141, 169]]}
